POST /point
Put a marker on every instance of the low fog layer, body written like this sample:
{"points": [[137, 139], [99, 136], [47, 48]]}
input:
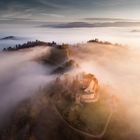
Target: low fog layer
{"points": [[69, 35], [117, 67], [20, 77]]}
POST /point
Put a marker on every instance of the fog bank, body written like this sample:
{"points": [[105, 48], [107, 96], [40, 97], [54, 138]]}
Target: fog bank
{"points": [[20, 77], [117, 67]]}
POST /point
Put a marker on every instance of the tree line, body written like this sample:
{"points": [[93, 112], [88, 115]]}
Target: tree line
{"points": [[31, 44]]}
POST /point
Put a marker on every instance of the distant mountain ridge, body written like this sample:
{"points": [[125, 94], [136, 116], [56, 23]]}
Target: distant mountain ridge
{"points": [[9, 38], [93, 25]]}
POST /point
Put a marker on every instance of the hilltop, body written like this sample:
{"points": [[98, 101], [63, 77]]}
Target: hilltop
{"points": [[54, 112]]}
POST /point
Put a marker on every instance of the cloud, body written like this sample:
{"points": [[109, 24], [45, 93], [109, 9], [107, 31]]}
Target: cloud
{"points": [[93, 25], [50, 4], [20, 78], [69, 8], [135, 31], [106, 19], [53, 15], [69, 25], [110, 65], [28, 9]]}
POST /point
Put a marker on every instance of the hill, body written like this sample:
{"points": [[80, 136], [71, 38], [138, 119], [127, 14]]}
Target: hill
{"points": [[9, 38]]}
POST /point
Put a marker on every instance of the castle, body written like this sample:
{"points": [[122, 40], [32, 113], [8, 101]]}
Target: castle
{"points": [[88, 92], [83, 87]]}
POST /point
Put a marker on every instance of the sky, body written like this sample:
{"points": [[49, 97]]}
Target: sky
{"points": [[67, 10], [69, 21]]}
